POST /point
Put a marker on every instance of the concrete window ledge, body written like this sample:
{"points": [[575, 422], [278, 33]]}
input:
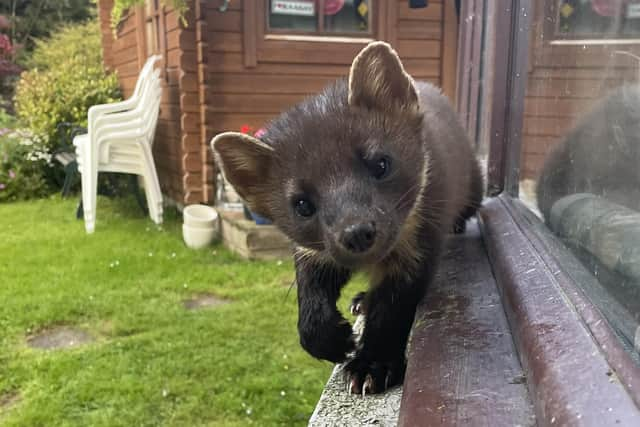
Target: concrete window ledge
{"points": [[337, 408]]}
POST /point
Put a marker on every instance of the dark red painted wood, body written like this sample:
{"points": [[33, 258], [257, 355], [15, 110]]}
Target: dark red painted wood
{"points": [[570, 380], [462, 366]]}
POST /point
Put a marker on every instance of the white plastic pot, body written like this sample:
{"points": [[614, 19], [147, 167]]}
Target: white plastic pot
{"points": [[200, 226], [200, 216], [198, 238]]}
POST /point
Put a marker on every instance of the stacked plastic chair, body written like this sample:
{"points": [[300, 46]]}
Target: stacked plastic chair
{"points": [[119, 139]]}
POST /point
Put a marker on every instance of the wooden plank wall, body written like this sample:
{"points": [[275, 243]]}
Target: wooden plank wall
{"points": [[234, 95], [563, 83], [418, 34], [208, 89], [125, 55]]}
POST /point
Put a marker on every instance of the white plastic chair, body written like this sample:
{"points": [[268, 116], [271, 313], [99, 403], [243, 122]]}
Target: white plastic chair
{"points": [[119, 139]]}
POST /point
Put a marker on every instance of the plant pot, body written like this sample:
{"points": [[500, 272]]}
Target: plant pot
{"points": [[200, 226], [201, 216], [198, 237]]}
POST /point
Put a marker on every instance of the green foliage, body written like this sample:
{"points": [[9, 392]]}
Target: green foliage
{"points": [[35, 19], [20, 168], [120, 6], [7, 121], [67, 77]]}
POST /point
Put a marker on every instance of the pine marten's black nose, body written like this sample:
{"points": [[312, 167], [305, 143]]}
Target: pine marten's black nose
{"points": [[358, 237]]}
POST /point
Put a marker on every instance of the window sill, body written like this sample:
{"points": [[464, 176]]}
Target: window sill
{"points": [[323, 51], [318, 39], [578, 370], [594, 42]]}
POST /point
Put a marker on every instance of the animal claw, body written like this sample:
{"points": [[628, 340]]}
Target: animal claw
{"points": [[355, 309], [352, 385], [367, 386]]}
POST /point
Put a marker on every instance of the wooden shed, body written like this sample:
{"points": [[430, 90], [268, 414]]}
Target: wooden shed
{"points": [[241, 62]]}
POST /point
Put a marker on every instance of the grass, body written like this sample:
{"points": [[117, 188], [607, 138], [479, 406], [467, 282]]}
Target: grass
{"points": [[152, 361]]}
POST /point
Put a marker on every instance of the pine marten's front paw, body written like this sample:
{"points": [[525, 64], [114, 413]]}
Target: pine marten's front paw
{"points": [[364, 376], [357, 305], [331, 340]]}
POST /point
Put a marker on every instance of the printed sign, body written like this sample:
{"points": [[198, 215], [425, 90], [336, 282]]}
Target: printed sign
{"points": [[293, 7], [633, 10]]}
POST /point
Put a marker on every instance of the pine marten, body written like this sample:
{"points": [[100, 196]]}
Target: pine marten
{"points": [[371, 174]]}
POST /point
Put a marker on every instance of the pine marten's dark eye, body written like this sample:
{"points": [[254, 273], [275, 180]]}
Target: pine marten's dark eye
{"points": [[380, 167], [304, 207]]}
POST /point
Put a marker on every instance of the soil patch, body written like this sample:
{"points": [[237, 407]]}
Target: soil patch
{"points": [[204, 301], [60, 337], [8, 400]]}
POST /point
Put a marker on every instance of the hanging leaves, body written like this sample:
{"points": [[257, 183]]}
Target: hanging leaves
{"points": [[120, 6]]}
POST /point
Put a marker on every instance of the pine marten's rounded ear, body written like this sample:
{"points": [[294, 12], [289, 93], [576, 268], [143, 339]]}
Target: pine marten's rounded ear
{"points": [[245, 163], [377, 80]]}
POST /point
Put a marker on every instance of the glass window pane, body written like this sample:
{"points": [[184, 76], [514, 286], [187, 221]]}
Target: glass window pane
{"points": [[293, 15], [598, 18], [580, 159], [346, 16]]}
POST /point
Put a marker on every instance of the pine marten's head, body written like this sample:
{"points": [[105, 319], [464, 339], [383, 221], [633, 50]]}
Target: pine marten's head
{"points": [[343, 171]]}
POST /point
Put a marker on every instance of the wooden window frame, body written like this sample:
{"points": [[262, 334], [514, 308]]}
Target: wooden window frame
{"points": [[535, 272], [552, 35], [158, 19], [152, 13], [263, 45]]}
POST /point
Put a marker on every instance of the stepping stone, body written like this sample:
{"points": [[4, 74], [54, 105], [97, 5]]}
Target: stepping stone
{"points": [[204, 301], [59, 338]]}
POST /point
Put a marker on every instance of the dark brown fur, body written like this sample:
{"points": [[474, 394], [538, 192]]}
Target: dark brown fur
{"points": [[322, 150]]}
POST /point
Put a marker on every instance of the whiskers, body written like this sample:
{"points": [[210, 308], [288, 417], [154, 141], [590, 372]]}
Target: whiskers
{"points": [[293, 283], [305, 255], [407, 193]]}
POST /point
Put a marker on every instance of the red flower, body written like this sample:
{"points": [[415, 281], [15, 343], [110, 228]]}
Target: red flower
{"points": [[6, 48]]}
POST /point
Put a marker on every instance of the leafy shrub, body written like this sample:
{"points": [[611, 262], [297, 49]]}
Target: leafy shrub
{"points": [[7, 122], [36, 19], [66, 78], [21, 166]]}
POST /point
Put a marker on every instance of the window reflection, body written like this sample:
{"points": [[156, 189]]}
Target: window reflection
{"points": [[293, 15], [589, 193], [595, 18], [346, 16], [580, 160]]}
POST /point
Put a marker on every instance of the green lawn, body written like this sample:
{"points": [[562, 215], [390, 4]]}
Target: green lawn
{"points": [[152, 361]]}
